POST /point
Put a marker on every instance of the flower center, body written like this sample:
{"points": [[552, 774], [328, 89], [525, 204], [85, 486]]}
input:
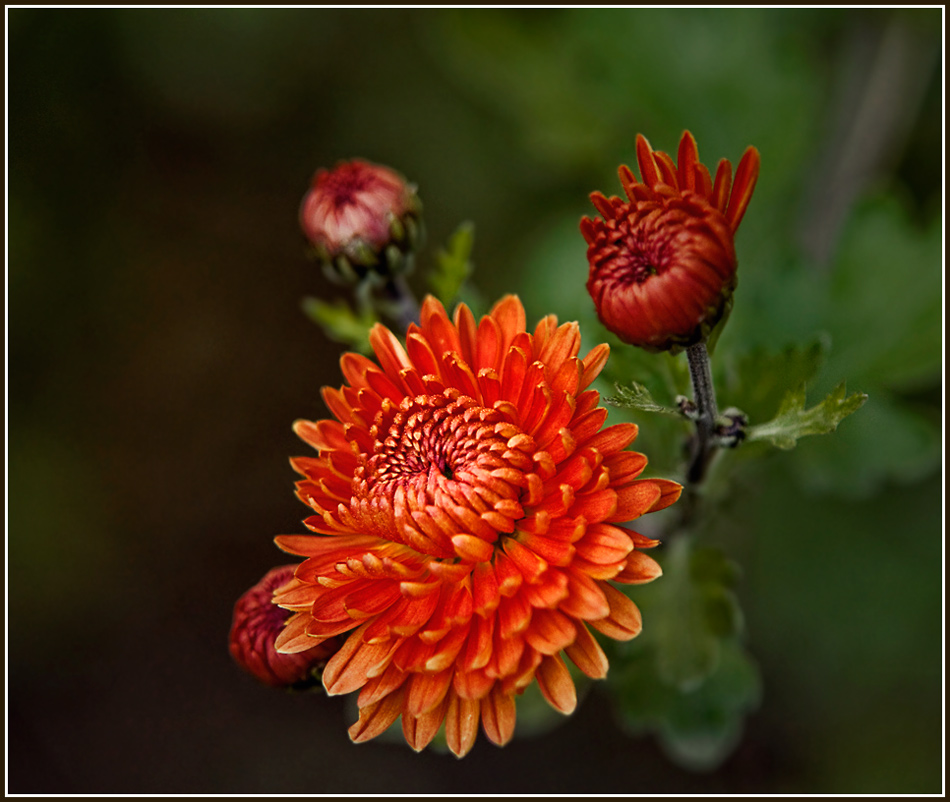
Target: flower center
{"points": [[444, 461], [645, 250]]}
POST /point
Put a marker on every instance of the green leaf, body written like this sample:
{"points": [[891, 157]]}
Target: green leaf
{"points": [[453, 264], [794, 421], [699, 728], [340, 323], [636, 396], [702, 727], [758, 380], [690, 611]]}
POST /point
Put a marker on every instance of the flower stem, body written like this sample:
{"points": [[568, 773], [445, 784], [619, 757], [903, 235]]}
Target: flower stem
{"points": [[704, 393], [407, 307]]}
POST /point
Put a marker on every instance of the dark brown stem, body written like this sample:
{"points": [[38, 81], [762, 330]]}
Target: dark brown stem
{"points": [[704, 396]]}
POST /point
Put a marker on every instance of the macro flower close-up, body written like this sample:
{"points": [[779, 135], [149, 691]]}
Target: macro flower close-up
{"points": [[467, 503], [340, 404], [663, 263]]}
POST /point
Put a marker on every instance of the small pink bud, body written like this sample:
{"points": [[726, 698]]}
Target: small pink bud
{"points": [[361, 217]]}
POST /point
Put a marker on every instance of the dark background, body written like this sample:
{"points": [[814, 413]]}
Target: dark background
{"points": [[158, 356]]}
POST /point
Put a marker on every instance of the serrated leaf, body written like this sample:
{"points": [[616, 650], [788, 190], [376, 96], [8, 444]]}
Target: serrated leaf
{"points": [[793, 421], [340, 323], [636, 396], [697, 728], [453, 264], [694, 609], [758, 380], [704, 726]]}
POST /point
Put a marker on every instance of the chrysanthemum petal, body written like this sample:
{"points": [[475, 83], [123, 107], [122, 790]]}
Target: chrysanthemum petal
{"points": [[633, 500], [722, 185], [747, 173], [498, 717], [461, 724], [556, 684], [550, 631], [420, 730], [648, 170], [624, 621], [640, 568], [293, 638], [376, 718], [686, 158], [586, 654], [593, 364], [669, 493], [349, 668], [586, 599], [426, 691]]}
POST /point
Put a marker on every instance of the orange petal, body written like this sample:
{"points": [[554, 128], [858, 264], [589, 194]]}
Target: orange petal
{"points": [[426, 691], [629, 182], [529, 563], [550, 631], [510, 316], [687, 156], [722, 185], [593, 364], [461, 724], [556, 684], [585, 597], [640, 569], [648, 170], [293, 638], [498, 716], [747, 173], [376, 718], [420, 730], [613, 438], [624, 621], [667, 169], [468, 333], [389, 351], [587, 655], [604, 544], [484, 588], [669, 492], [348, 669], [634, 500], [473, 549], [624, 466]]}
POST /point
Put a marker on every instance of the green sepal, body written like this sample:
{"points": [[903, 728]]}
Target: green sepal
{"points": [[453, 264], [340, 323], [793, 421]]}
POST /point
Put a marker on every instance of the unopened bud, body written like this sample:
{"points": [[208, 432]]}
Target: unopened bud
{"points": [[361, 219]]}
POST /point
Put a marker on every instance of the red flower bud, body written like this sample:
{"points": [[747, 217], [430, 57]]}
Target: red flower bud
{"points": [[663, 264], [361, 217], [257, 623]]}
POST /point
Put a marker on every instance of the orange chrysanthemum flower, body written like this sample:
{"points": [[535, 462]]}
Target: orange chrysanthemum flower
{"points": [[468, 501], [663, 265]]}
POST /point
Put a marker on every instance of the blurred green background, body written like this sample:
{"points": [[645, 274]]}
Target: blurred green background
{"points": [[158, 355]]}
